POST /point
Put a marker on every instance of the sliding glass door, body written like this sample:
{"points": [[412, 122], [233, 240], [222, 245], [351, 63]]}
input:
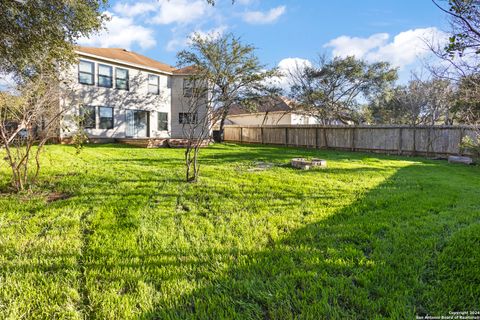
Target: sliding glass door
{"points": [[138, 123]]}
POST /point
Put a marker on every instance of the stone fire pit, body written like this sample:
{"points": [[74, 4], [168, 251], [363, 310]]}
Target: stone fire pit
{"points": [[304, 164]]}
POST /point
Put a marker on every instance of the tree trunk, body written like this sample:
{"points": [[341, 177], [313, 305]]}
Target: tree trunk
{"points": [[222, 123]]}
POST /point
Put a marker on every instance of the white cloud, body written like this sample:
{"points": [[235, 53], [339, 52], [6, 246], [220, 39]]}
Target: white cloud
{"points": [[287, 67], [352, 46], [259, 17], [180, 11], [404, 49], [121, 32], [214, 33], [139, 8], [178, 43], [244, 2], [7, 82]]}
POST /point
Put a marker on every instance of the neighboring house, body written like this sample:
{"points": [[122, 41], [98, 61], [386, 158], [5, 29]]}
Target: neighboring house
{"points": [[122, 94], [272, 111]]}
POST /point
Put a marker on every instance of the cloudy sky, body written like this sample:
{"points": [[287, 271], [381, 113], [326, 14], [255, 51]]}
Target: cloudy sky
{"points": [[285, 32]]}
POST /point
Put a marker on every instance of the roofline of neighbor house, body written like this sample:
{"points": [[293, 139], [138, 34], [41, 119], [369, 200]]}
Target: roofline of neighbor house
{"points": [[297, 112]]}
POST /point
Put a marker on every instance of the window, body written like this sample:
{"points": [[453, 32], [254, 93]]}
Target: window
{"points": [[106, 117], [121, 79], [193, 87], [153, 84], [187, 118], [104, 76], [162, 121], [188, 85], [87, 117], [85, 72]]}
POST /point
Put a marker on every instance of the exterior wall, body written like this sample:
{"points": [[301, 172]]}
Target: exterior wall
{"points": [[252, 119], [272, 118], [181, 104], [303, 119], [136, 98]]}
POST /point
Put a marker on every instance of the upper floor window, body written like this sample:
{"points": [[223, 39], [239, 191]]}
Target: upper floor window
{"points": [[162, 121], [187, 118], [193, 87], [153, 84], [121, 78], [104, 76], [86, 72], [105, 117], [87, 117], [188, 85]]}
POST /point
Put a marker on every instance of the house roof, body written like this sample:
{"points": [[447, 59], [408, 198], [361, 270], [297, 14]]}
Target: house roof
{"points": [[126, 56], [270, 104], [189, 70]]}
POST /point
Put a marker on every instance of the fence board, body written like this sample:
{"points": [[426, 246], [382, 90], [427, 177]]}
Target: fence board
{"points": [[421, 140]]}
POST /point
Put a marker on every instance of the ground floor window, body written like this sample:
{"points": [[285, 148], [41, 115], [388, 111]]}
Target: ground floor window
{"points": [[105, 117], [87, 117], [187, 117], [162, 121]]}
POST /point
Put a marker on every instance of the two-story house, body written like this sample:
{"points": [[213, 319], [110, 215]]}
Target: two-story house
{"points": [[122, 94]]}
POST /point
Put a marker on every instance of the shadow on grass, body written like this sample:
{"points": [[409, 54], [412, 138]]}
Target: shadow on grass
{"points": [[374, 258]]}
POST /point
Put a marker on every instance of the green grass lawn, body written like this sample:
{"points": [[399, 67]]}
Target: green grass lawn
{"points": [[371, 236]]}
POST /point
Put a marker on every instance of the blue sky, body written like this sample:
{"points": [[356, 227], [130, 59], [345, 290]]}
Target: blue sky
{"points": [[284, 32]]}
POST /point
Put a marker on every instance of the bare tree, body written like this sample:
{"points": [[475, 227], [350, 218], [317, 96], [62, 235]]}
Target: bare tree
{"points": [[197, 121], [465, 25], [233, 71], [29, 118], [461, 62], [223, 71]]}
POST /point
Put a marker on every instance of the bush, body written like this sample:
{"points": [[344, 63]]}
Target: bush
{"points": [[472, 145]]}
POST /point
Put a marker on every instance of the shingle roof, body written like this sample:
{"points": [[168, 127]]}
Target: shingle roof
{"points": [[126, 56], [186, 70], [271, 104]]}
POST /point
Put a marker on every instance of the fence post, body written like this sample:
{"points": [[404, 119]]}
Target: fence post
{"points": [[400, 140], [286, 136], [241, 134], [352, 139], [414, 140], [261, 135], [325, 137], [462, 134], [317, 146]]}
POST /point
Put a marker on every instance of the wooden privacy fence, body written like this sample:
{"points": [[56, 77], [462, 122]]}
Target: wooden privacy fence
{"points": [[408, 140]]}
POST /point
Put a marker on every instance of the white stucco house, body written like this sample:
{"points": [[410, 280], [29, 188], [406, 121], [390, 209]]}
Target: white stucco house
{"points": [[275, 111], [122, 94]]}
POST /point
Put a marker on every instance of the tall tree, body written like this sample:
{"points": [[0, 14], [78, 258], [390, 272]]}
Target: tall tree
{"points": [[466, 107], [38, 34], [420, 102], [465, 24], [334, 90], [462, 55], [37, 40], [231, 68]]}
